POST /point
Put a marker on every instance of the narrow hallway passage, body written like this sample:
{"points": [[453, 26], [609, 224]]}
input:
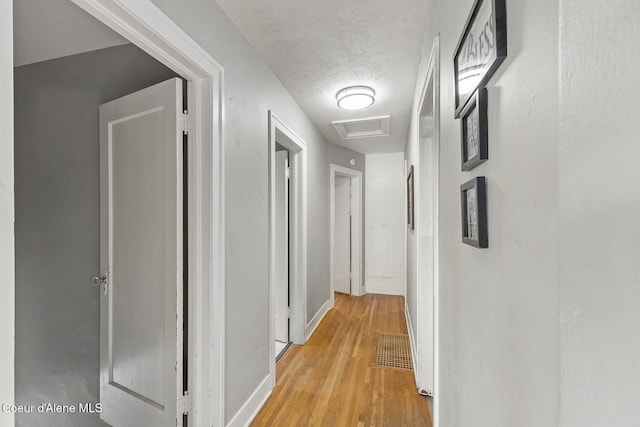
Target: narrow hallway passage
{"points": [[332, 380]]}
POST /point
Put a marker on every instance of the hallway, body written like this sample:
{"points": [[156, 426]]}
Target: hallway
{"points": [[496, 148], [332, 380]]}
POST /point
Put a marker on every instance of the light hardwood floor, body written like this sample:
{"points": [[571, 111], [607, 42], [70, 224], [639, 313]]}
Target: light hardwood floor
{"points": [[332, 380]]}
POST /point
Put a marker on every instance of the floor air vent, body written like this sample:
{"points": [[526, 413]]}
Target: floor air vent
{"points": [[393, 351]]}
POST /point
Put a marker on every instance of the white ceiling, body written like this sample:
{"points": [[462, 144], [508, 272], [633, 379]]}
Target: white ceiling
{"points": [[318, 47], [47, 29]]}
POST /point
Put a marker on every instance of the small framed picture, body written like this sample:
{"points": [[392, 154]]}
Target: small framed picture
{"points": [[474, 132], [410, 205], [473, 200]]}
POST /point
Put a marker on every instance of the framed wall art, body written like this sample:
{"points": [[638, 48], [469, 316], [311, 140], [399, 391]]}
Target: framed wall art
{"points": [[481, 49], [410, 200], [473, 200], [473, 131]]}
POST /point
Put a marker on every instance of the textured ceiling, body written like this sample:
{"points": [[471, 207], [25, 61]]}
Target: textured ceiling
{"points": [[317, 47], [50, 29]]}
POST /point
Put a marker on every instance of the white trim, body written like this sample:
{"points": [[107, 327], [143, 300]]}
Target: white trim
{"points": [[356, 228], [313, 324], [252, 406], [426, 376], [412, 340], [297, 235], [435, 54], [7, 215], [145, 25]]}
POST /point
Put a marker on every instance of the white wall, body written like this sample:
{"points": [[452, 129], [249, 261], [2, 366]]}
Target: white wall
{"points": [[599, 203], [385, 219], [7, 250], [499, 340], [251, 90]]}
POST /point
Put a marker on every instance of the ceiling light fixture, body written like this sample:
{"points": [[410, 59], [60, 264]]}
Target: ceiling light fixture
{"points": [[355, 97]]}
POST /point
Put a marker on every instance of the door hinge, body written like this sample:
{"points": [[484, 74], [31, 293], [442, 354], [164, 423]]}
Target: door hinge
{"points": [[424, 392], [287, 172], [288, 312], [185, 122], [183, 404]]}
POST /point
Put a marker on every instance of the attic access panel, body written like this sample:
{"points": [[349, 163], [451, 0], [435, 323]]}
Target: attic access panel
{"points": [[363, 128]]}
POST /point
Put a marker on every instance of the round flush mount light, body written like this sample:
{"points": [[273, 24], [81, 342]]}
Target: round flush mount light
{"points": [[355, 97]]}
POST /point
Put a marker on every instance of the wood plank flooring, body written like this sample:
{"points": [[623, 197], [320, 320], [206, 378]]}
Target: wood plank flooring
{"points": [[332, 380]]}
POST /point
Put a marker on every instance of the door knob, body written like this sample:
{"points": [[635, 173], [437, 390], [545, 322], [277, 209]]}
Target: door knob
{"points": [[103, 279]]}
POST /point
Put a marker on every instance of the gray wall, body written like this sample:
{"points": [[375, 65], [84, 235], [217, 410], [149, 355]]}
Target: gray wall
{"points": [[339, 155], [499, 339], [541, 328], [599, 203], [57, 222], [251, 90]]}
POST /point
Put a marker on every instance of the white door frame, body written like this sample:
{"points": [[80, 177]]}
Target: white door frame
{"points": [[428, 304], [356, 227], [7, 215], [297, 235], [146, 26]]}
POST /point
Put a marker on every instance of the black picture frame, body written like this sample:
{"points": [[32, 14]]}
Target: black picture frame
{"points": [[473, 200], [410, 200], [481, 49], [474, 132]]}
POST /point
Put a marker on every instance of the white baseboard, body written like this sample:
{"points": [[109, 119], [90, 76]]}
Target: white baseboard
{"points": [[250, 409], [412, 341], [311, 327]]}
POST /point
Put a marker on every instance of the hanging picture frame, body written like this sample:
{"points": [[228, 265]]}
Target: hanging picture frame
{"points": [[474, 144], [481, 49], [410, 200], [473, 201]]}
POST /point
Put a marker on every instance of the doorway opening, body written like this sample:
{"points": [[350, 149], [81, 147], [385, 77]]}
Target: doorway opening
{"points": [[426, 229], [147, 27], [282, 255], [287, 237], [345, 228]]}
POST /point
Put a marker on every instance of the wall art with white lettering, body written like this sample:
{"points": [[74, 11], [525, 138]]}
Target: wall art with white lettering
{"points": [[481, 49]]}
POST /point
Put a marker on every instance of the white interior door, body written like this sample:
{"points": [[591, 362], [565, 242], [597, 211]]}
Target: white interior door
{"points": [[282, 247], [342, 236], [141, 328], [385, 223]]}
